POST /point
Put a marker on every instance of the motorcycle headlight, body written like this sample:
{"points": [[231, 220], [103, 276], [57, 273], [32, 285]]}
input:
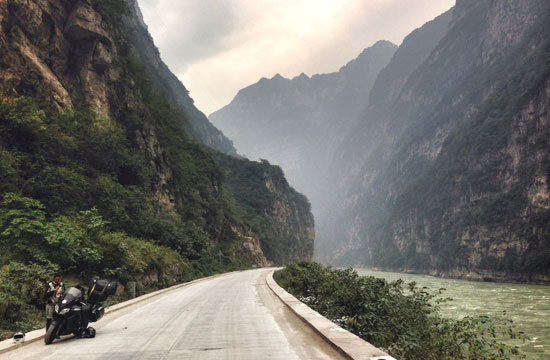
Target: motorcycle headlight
{"points": [[64, 311]]}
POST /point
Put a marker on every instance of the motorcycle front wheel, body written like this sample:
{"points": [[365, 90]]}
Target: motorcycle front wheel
{"points": [[50, 334]]}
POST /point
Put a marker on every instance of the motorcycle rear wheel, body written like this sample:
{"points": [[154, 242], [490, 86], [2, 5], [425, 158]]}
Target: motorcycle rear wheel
{"points": [[50, 334]]}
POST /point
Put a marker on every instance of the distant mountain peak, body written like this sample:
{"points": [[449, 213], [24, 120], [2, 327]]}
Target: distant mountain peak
{"points": [[370, 54], [301, 77], [378, 46], [383, 43]]}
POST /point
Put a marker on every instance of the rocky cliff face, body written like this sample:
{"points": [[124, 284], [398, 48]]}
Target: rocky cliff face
{"points": [[67, 47], [358, 158], [291, 223], [43, 39], [275, 210], [454, 94], [80, 55], [491, 220]]}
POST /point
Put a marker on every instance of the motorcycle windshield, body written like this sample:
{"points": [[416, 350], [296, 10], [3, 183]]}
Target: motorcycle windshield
{"points": [[70, 296]]}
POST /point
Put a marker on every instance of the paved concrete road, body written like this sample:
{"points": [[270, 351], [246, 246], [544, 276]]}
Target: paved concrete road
{"points": [[235, 316]]}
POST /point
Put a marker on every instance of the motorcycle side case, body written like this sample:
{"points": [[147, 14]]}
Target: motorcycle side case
{"points": [[97, 313]]}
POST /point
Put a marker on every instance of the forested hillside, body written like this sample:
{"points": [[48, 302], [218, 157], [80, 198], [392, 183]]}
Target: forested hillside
{"points": [[105, 169]]}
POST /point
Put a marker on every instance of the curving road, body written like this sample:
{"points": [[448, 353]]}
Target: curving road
{"points": [[234, 316]]}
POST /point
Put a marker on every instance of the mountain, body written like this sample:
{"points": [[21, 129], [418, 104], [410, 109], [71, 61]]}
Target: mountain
{"points": [[107, 168], [440, 166], [310, 125], [297, 123], [445, 177], [352, 158]]}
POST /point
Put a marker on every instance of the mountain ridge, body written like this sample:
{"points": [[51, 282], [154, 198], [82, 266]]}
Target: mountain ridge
{"points": [[295, 122], [380, 164], [424, 116]]}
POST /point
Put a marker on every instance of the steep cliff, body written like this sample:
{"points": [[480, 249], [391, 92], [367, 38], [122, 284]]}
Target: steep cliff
{"points": [[361, 154], [93, 119], [267, 205], [482, 208], [406, 208]]}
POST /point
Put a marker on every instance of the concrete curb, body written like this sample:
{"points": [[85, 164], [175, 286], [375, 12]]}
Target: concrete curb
{"points": [[35, 335], [350, 345]]}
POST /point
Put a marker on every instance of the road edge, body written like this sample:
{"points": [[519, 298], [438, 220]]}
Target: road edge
{"points": [[35, 335], [348, 344]]}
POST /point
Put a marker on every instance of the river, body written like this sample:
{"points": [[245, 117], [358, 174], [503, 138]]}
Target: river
{"points": [[527, 305]]}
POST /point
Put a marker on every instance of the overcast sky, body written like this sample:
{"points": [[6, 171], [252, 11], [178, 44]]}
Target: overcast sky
{"points": [[217, 47]]}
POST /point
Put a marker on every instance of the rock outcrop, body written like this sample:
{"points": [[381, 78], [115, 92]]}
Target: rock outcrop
{"points": [[276, 211]]}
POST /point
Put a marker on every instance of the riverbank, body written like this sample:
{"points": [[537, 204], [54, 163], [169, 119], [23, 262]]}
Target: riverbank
{"points": [[528, 305], [397, 318]]}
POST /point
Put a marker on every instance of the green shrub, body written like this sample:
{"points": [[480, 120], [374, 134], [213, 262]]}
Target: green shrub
{"points": [[402, 319], [22, 288]]}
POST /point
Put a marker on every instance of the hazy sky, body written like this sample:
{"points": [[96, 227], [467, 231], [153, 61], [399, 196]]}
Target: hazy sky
{"points": [[217, 47]]}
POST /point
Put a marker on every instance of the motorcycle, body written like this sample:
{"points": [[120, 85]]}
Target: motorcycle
{"points": [[73, 314]]}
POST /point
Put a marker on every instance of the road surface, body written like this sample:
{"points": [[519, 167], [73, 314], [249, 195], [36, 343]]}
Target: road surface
{"points": [[234, 316]]}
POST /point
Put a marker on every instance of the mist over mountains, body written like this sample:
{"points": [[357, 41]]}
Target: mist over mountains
{"points": [[432, 158], [298, 123]]}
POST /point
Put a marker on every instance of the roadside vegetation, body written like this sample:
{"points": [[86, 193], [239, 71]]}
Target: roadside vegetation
{"points": [[402, 319]]}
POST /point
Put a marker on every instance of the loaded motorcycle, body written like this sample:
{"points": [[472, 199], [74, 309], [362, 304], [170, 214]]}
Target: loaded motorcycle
{"points": [[73, 314]]}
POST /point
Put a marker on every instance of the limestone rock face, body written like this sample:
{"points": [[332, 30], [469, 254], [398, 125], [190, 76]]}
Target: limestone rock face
{"points": [[62, 46], [445, 178], [84, 23], [33, 50], [291, 223], [252, 247], [102, 58]]}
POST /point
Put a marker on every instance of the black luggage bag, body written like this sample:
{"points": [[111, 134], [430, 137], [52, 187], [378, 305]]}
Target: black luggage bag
{"points": [[99, 290]]}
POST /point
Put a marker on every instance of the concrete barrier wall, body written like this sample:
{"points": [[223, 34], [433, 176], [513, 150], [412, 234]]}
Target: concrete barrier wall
{"points": [[350, 345]]}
